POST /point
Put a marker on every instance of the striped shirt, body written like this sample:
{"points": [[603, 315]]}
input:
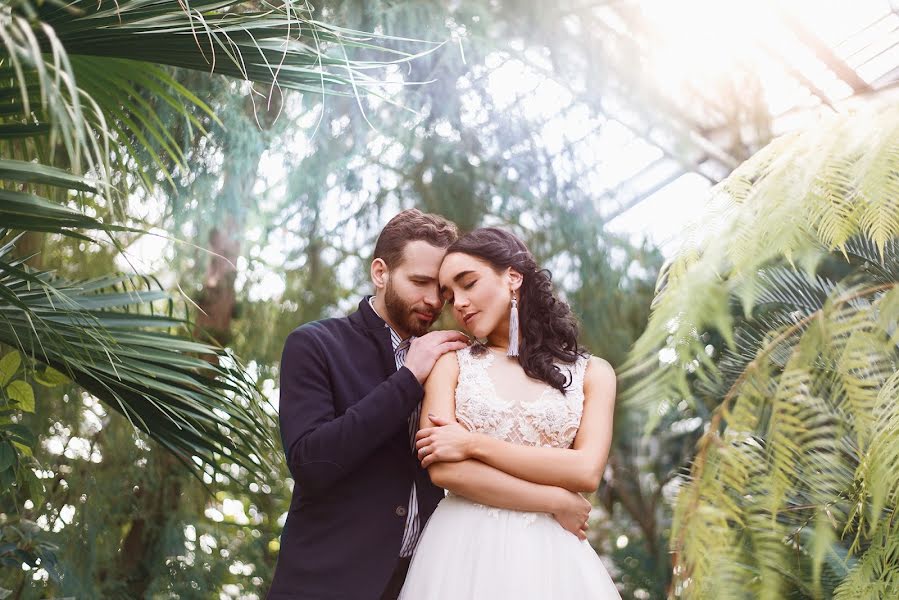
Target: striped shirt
{"points": [[413, 526]]}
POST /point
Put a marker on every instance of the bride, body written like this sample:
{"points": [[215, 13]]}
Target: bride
{"points": [[513, 429]]}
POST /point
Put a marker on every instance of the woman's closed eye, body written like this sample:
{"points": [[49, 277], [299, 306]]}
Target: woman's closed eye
{"points": [[451, 299]]}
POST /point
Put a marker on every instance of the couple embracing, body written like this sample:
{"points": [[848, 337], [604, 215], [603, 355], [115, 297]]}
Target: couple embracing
{"points": [[438, 465]]}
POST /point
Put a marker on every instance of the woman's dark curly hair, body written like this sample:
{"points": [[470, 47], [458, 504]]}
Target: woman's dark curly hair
{"points": [[548, 328]]}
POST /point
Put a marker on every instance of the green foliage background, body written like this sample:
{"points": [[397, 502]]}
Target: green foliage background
{"points": [[754, 448]]}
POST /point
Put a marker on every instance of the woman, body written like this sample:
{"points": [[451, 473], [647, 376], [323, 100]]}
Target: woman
{"points": [[513, 429]]}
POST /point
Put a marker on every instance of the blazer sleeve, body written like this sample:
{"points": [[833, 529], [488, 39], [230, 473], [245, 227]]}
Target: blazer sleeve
{"points": [[322, 447]]}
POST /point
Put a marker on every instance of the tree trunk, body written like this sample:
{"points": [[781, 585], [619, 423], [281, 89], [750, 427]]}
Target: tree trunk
{"points": [[218, 298]]}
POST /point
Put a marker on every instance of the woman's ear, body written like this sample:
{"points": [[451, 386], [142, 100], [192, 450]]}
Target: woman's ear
{"points": [[379, 273], [515, 279]]}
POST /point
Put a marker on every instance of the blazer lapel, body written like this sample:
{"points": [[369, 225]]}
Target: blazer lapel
{"points": [[385, 349], [368, 320]]}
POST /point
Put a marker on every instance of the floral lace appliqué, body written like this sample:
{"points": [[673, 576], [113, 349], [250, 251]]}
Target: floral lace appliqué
{"points": [[478, 408], [551, 419]]}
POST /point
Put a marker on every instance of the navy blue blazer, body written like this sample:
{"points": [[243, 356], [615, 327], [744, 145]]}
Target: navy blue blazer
{"points": [[344, 411]]}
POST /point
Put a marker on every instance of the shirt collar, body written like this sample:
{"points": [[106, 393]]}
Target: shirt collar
{"points": [[396, 341]]}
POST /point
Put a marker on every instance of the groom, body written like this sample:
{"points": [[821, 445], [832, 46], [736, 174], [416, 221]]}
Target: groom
{"points": [[351, 391]]}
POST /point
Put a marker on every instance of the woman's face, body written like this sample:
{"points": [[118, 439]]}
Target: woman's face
{"points": [[479, 296]]}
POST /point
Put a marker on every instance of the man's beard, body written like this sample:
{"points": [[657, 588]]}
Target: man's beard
{"points": [[400, 312]]}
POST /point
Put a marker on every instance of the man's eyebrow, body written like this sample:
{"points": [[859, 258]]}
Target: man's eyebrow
{"points": [[422, 277]]}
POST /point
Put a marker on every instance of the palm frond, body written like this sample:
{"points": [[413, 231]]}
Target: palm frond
{"points": [[109, 337], [78, 70]]}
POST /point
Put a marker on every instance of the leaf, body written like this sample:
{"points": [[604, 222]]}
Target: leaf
{"points": [[23, 448], [34, 484], [14, 131], [30, 172], [19, 433], [7, 456], [19, 391], [7, 479], [51, 378], [9, 364]]}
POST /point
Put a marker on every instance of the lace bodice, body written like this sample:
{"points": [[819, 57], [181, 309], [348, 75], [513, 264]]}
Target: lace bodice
{"points": [[495, 397]]}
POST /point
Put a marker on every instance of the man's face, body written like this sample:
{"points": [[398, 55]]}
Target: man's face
{"points": [[411, 294]]}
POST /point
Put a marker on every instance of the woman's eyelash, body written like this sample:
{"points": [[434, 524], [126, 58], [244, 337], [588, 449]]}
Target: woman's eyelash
{"points": [[452, 299]]}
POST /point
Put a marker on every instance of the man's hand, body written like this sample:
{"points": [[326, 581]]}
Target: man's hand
{"points": [[572, 513], [447, 442], [425, 350]]}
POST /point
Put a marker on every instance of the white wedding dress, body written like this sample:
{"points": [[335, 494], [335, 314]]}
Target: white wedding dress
{"points": [[469, 551]]}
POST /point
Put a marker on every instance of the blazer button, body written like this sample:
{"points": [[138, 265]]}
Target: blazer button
{"points": [[401, 511]]}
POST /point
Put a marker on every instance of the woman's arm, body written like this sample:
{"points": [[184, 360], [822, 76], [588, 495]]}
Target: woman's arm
{"points": [[578, 469], [485, 484]]}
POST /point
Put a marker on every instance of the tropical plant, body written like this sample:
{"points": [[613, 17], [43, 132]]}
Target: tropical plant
{"points": [[110, 337], [777, 326], [76, 126], [82, 70]]}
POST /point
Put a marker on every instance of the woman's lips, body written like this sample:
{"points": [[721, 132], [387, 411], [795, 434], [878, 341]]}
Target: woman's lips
{"points": [[467, 318]]}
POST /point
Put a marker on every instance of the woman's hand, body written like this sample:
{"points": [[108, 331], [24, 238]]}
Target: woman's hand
{"points": [[573, 513], [447, 441]]}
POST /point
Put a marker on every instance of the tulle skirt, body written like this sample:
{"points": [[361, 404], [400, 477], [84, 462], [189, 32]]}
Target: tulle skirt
{"points": [[469, 551]]}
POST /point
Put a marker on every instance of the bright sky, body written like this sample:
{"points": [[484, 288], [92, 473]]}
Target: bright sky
{"points": [[697, 45]]}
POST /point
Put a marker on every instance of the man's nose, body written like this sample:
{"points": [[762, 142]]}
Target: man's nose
{"points": [[433, 298]]}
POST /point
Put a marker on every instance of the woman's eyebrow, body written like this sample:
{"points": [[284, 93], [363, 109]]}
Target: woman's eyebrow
{"points": [[459, 276], [456, 279]]}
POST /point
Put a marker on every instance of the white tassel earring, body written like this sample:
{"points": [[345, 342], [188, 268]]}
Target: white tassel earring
{"points": [[513, 328]]}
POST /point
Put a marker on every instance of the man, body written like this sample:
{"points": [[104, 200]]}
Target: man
{"points": [[351, 391]]}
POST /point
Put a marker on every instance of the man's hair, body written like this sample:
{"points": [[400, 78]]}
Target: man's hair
{"points": [[409, 226]]}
